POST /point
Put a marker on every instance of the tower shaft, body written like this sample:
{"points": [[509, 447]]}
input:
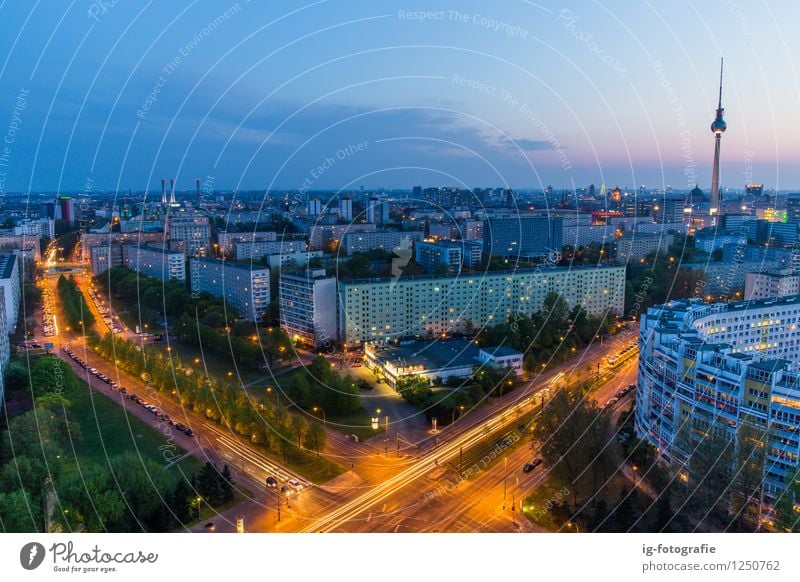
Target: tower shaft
{"points": [[715, 177]]}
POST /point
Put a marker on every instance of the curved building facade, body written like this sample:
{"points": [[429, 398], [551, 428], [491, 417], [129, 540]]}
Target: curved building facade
{"points": [[721, 367]]}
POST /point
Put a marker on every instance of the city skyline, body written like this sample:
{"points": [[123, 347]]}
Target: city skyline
{"points": [[529, 97]]}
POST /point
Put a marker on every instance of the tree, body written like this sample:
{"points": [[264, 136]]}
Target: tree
{"points": [[787, 508], [226, 482], [574, 434], [16, 377], [299, 428], [315, 437], [209, 485], [299, 389], [19, 513], [92, 499]]}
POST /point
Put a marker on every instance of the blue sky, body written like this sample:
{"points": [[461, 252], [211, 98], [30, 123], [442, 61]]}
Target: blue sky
{"points": [[260, 95]]}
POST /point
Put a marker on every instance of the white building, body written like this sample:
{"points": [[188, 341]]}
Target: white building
{"points": [[104, 257], [385, 309], [387, 240], [257, 250], [228, 240], [195, 230], [637, 245], [10, 284], [719, 367], [41, 227], [308, 307], [773, 283], [156, 262], [243, 287]]}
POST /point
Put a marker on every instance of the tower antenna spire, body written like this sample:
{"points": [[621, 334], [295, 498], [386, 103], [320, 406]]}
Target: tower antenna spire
{"points": [[721, 60]]}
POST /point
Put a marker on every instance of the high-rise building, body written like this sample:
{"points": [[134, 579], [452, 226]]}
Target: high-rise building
{"points": [[718, 127], [314, 207], [104, 257], [156, 262], [439, 257], [228, 240], [10, 284], [308, 307], [387, 240], [346, 209], [195, 230], [523, 235], [772, 283], [721, 368], [244, 287], [386, 309], [377, 211]]}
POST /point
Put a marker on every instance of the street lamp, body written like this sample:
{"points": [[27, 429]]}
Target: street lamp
{"points": [[315, 409], [575, 525]]}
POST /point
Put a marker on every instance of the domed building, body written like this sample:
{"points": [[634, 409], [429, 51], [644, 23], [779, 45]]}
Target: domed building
{"points": [[696, 195]]}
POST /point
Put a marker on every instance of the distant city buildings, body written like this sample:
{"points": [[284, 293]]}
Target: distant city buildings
{"points": [[244, 287]]}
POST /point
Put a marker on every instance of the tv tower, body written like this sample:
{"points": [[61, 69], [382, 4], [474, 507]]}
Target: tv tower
{"points": [[718, 127]]}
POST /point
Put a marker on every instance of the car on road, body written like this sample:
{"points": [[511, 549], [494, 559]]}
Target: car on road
{"points": [[210, 526], [285, 490], [528, 467], [295, 484], [272, 482], [189, 432]]}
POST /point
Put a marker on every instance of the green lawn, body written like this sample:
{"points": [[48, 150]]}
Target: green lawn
{"points": [[107, 430], [218, 365]]}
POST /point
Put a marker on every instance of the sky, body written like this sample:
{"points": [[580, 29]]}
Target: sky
{"points": [[112, 95]]}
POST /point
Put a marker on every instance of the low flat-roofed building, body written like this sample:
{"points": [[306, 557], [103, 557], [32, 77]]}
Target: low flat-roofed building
{"points": [[437, 360]]}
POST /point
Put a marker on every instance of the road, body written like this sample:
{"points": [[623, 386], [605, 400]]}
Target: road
{"points": [[377, 483]]}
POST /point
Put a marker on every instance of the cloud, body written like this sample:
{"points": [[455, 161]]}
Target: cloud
{"points": [[525, 144]]}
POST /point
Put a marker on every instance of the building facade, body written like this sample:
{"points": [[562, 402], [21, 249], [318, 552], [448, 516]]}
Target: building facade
{"points": [[773, 283], [718, 368], [227, 240], [522, 235], [387, 240], [243, 287], [156, 262], [10, 284], [104, 257], [385, 309], [257, 250], [195, 230], [308, 307]]}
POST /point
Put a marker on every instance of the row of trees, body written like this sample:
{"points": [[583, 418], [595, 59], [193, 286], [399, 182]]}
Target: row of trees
{"points": [[44, 484], [147, 296], [73, 304], [270, 427], [553, 334], [320, 385], [270, 346]]}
